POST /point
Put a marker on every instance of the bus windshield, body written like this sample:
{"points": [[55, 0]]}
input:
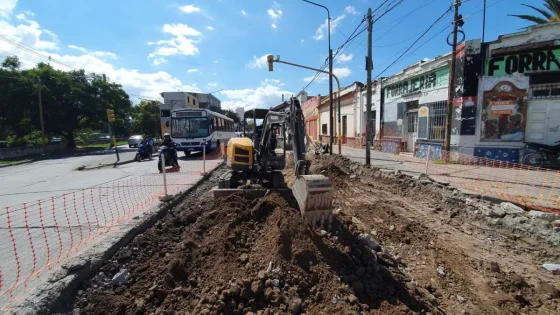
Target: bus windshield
{"points": [[189, 127]]}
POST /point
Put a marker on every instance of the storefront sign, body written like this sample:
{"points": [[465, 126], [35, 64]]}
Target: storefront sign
{"points": [[423, 111], [536, 61], [426, 81], [504, 112]]}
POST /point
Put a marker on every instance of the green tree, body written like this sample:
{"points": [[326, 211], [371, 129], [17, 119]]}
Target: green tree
{"points": [[11, 63], [70, 101], [549, 15], [146, 118]]}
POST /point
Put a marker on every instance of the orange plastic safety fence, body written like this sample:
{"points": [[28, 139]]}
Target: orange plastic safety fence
{"points": [[43, 234]]}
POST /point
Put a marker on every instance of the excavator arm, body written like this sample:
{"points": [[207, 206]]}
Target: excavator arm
{"points": [[313, 193]]}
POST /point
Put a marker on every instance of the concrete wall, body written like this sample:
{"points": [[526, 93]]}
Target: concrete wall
{"points": [[9, 153]]}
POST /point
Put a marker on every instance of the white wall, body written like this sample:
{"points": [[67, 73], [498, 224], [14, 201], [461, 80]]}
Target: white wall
{"points": [[538, 33]]}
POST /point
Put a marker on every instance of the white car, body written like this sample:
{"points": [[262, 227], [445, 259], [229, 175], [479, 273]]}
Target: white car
{"points": [[134, 140]]}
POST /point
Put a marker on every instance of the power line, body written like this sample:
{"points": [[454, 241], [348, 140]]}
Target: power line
{"points": [[387, 11], [325, 65], [441, 31], [416, 41]]}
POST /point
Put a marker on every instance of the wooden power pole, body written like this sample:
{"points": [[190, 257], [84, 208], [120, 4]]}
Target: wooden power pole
{"points": [[369, 68], [449, 111]]}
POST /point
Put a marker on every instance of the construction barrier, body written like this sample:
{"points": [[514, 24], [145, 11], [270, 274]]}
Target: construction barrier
{"points": [[533, 187], [41, 235]]}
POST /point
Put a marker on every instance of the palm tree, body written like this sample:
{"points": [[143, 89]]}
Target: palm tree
{"points": [[551, 14]]}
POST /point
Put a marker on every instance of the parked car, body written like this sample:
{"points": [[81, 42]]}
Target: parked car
{"points": [[134, 140]]}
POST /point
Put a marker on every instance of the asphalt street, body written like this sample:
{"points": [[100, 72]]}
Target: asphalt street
{"points": [[43, 179], [51, 211]]}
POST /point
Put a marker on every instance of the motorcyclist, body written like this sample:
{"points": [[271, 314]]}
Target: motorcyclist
{"points": [[148, 143], [171, 146]]}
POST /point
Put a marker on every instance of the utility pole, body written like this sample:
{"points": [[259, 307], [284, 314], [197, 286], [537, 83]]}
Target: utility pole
{"points": [[369, 67], [41, 113], [451, 94], [331, 109]]}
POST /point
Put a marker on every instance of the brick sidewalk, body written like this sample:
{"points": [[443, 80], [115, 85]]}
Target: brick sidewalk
{"points": [[534, 188]]}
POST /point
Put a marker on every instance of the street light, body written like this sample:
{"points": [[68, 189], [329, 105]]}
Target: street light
{"points": [[330, 73]]}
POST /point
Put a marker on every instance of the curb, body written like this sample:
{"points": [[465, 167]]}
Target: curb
{"points": [[55, 298], [17, 163], [105, 165]]}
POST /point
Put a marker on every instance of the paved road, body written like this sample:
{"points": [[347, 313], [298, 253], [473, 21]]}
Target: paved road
{"points": [[67, 211], [42, 179]]}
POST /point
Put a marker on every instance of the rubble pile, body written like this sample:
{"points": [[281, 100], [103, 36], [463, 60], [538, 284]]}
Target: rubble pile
{"points": [[398, 245]]}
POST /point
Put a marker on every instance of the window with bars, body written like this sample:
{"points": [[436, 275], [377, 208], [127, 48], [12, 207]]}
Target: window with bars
{"points": [[544, 91], [436, 123]]}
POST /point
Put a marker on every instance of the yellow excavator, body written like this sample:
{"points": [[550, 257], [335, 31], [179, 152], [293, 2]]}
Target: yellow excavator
{"points": [[257, 159]]}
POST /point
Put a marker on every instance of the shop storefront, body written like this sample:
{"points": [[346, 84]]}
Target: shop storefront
{"points": [[414, 104], [519, 94]]}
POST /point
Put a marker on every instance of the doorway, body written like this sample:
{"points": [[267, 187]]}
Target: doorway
{"points": [[411, 125], [344, 128], [543, 122]]}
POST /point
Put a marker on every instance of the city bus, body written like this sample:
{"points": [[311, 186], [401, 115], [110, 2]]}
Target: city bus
{"points": [[190, 128]]}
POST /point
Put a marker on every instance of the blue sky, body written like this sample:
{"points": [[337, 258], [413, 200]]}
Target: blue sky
{"points": [[152, 46]]}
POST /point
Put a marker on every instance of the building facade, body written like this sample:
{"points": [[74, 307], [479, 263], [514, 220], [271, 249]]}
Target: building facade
{"points": [[519, 94], [311, 115], [207, 101], [413, 104], [348, 101], [361, 115]]}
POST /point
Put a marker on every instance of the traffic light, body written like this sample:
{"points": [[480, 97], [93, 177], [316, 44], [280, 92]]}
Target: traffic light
{"points": [[111, 115], [270, 59]]}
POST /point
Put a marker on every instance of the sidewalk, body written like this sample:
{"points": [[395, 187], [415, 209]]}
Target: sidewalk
{"points": [[537, 188]]}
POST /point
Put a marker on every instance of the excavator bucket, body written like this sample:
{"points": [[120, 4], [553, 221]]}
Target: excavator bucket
{"points": [[314, 194]]}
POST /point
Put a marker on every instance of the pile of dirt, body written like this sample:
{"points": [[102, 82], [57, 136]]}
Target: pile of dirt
{"points": [[397, 245], [239, 255]]}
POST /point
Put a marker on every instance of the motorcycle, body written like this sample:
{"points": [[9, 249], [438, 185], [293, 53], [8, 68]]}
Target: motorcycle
{"points": [[541, 155], [167, 153], [144, 152]]}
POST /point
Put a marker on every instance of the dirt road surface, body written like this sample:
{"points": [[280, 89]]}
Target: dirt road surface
{"points": [[397, 246]]}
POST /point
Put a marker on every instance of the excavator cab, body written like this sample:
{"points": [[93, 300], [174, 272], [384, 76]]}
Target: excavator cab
{"points": [[256, 162]]}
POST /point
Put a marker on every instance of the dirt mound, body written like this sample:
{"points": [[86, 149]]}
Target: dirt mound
{"points": [[397, 246], [239, 255]]}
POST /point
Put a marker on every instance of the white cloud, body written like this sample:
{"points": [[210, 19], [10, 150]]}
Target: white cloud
{"points": [[159, 61], [31, 34], [189, 9], [6, 7], [272, 81], [339, 72], [212, 84], [322, 29], [351, 10], [210, 28], [243, 12], [216, 61], [104, 54], [28, 32], [342, 58], [275, 14], [179, 44], [82, 49], [180, 29], [301, 41], [267, 95], [193, 70], [257, 62]]}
